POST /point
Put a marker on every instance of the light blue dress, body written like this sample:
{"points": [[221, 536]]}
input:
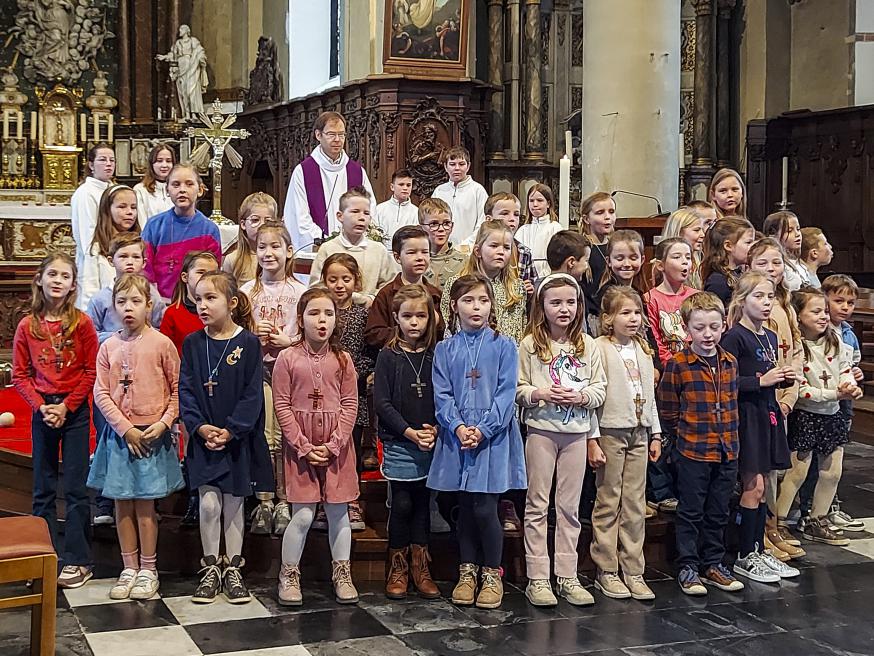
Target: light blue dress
{"points": [[498, 463]]}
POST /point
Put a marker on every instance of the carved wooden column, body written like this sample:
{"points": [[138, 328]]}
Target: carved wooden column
{"points": [[496, 77], [515, 74], [702, 154], [723, 90], [124, 106], [533, 97]]}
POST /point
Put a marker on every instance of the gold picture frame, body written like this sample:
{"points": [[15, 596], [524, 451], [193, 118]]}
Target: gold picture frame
{"points": [[426, 38]]}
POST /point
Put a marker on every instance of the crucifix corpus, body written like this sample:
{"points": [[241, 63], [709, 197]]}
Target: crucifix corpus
{"points": [[216, 145]]}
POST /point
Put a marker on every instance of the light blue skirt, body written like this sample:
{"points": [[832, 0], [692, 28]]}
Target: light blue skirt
{"points": [[118, 474]]}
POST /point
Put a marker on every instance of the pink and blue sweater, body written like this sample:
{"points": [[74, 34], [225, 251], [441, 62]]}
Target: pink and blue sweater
{"points": [[168, 237]]}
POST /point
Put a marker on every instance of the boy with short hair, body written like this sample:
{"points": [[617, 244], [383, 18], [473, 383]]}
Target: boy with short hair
{"points": [[377, 266], [697, 399], [504, 206], [397, 211], [466, 197], [412, 251], [447, 261], [816, 252], [568, 252]]}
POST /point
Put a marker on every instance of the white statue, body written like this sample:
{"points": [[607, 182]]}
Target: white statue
{"points": [[188, 70]]}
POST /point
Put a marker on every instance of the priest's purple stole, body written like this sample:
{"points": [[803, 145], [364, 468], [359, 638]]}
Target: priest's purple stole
{"points": [[312, 182]]}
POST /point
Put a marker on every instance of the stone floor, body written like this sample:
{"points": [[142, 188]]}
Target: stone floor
{"points": [[824, 611]]}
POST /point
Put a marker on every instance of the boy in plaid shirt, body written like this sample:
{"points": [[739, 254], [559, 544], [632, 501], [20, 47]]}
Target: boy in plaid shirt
{"points": [[698, 406]]}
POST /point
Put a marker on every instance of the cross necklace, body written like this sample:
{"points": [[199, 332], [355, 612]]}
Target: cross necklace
{"points": [[210, 383], [635, 383], [316, 374], [474, 373], [767, 351], [126, 369], [418, 385], [717, 380]]}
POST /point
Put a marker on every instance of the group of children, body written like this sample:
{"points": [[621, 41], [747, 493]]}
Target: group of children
{"points": [[537, 359]]}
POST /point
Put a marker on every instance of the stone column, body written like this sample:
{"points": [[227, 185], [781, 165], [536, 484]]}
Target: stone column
{"points": [[533, 96], [124, 60], [631, 108], [702, 153], [496, 78], [515, 74], [723, 90]]}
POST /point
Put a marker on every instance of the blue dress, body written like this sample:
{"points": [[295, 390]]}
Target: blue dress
{"points": [[498, 463]]}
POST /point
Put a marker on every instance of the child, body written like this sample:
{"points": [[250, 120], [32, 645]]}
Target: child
{"points": [[100, 165], [116, 214], [597, 221], [479, 451], [568, 252], [725, 254], [785, 228], [314, 390], [697, 399], [404, 400], [491, 257], [126, 253], [255, 210], [152, 196], [342, 276], [816, 252], [817, 423], [227, 457], [705, 211], [688, 224], [630, 431], [625, 257], [181, 229], [412, 252], [54, 351], [398, 211], [274, 295], [504, 206], [763, 446], [446, 260], [181, 317], [561, 380], [377, 266], [136, 459], [672, 267], [465, 197], [728, 194], [542, 224]]}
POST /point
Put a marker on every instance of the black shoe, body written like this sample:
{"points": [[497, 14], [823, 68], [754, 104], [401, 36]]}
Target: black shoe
{"points": [[210, 583], [192, 513], [233, 587]]}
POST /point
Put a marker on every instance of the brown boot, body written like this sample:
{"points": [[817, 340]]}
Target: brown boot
{"points": [[398, 578], [491, 592], [464, 593], [422, 573]]}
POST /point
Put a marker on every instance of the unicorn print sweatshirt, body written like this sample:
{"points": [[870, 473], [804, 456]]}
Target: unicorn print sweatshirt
{"points": [[581, 373]]}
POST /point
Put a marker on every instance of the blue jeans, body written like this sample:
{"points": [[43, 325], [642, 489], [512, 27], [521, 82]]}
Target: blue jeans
{"points": [[104, 505], [72, 440]]}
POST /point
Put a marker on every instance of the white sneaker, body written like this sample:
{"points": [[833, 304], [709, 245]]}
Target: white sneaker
{"points": [[782, 570], [844, 521], [146, 585], [103, 520], [125, 583], [753, 568]]}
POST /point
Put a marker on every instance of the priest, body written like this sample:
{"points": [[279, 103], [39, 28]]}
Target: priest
{"points": [[313, 197]]}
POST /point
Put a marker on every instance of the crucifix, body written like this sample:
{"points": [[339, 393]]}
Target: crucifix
{"points": [[825, 378], [418, 385], [473, 374], [209, 385], [217, 136], [785, 348], [127, 380], [317, 397], [638, 405]]}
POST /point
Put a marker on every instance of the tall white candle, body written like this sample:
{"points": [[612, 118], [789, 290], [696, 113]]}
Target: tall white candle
{"points": [[784, 193], [5, 125], [96, 128], [564, 192], [110, 125], [33, 126], [42, 130], [83, 127], [568, 145], [19, 131], [681, 152]]}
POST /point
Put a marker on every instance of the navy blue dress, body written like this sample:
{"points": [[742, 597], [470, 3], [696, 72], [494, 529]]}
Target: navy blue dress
{"points": [[237, 404], [763, 444]]}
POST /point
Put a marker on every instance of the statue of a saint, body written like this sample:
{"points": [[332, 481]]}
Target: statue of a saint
{"points": [[188, 70]]}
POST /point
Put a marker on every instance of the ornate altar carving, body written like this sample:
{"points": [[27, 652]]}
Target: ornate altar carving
{"points": [[428, 138], [265, 82], [59, 38], [57, 136]]}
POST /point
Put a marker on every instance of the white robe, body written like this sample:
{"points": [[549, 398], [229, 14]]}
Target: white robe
{"points": [[467, 200], [536, 236], [300, 224], [392, 215], [83, 217], [151, 204]]}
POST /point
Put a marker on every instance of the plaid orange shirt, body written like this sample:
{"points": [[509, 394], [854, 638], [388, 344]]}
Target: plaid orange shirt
{"points": [[704, 423]]}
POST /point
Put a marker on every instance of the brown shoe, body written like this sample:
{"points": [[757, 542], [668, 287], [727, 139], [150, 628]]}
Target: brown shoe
{"points": [[776, 551], [491, 592], [787, 536], [776, 538], [344, 589], [370, 461], [421, 572], [817, 530], [465, 590], [398, 579]]}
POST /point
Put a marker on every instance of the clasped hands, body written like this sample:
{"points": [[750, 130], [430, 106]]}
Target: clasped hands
{"points": [[424, 438], [216, 438], [53, 414], [271, 335], [560, 395], [140, 441], [469, 436]]}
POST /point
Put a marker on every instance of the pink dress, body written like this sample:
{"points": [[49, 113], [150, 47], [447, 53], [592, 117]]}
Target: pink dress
{"points": [[304, 426]]}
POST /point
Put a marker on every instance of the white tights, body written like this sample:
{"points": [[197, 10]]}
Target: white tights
{"points": [[339, 531], [830, 469], [215, 507]]}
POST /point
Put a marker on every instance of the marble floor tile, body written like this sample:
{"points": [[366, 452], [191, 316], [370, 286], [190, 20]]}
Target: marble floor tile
{"points": [[122, 617], [186, 612], [492, 641], [163, 641], [379, 646], [292, 650], [413, 614], [96, 591]]}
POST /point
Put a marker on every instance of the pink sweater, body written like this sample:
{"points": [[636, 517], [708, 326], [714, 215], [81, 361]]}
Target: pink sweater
{"points": [[153, 369], [663, 313]]}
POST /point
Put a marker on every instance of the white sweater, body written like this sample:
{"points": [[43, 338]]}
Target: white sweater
{"points": [[618, 410], [377, 266], [392, 215], [150, 204], [815, 394], [536, 236], [467, 200], [83, 209]]}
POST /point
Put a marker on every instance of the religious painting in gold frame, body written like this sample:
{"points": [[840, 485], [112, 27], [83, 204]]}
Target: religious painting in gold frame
{"points": [[426, 37]]}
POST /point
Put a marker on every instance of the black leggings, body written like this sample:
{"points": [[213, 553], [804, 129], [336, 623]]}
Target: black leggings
{"points": [[480, 535], [410, 514]]}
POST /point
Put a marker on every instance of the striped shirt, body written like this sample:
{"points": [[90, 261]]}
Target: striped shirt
{"points": [[704, 422]]}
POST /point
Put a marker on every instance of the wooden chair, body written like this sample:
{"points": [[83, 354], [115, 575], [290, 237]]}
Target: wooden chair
{"points": [[26, 553]]}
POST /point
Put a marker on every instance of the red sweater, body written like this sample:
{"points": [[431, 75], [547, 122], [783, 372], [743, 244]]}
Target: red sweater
{"points": [[35, 370], [178, 323]]}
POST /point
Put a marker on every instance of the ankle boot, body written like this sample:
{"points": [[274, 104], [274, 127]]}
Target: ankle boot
{"points": [[421, 572], [398, 580], [344, 589], [491, 592], [465, 590]]}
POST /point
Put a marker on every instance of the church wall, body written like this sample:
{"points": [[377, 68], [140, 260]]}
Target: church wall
{"points": [[820, 55], [863, 53], [309, 42], [275, 24]]}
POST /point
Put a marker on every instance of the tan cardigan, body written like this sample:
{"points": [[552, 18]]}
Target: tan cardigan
{"points": [[618, 410]]}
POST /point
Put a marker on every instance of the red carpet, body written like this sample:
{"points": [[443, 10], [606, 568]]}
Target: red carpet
{"points": [[17, 438]]}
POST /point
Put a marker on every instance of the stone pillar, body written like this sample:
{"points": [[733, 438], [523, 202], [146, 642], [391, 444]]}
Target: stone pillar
{"points": [[496, 78], [124, 62], [533, 96], [723, 90], [702, 153], [515, 74], [631, 111]]}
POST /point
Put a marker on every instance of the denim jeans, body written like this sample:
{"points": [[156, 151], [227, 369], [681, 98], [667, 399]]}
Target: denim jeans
{"points": [[72, 440]]}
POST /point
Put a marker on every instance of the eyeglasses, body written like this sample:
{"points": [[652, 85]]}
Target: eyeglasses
{"points": [[435, 226], [333, 136]]}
